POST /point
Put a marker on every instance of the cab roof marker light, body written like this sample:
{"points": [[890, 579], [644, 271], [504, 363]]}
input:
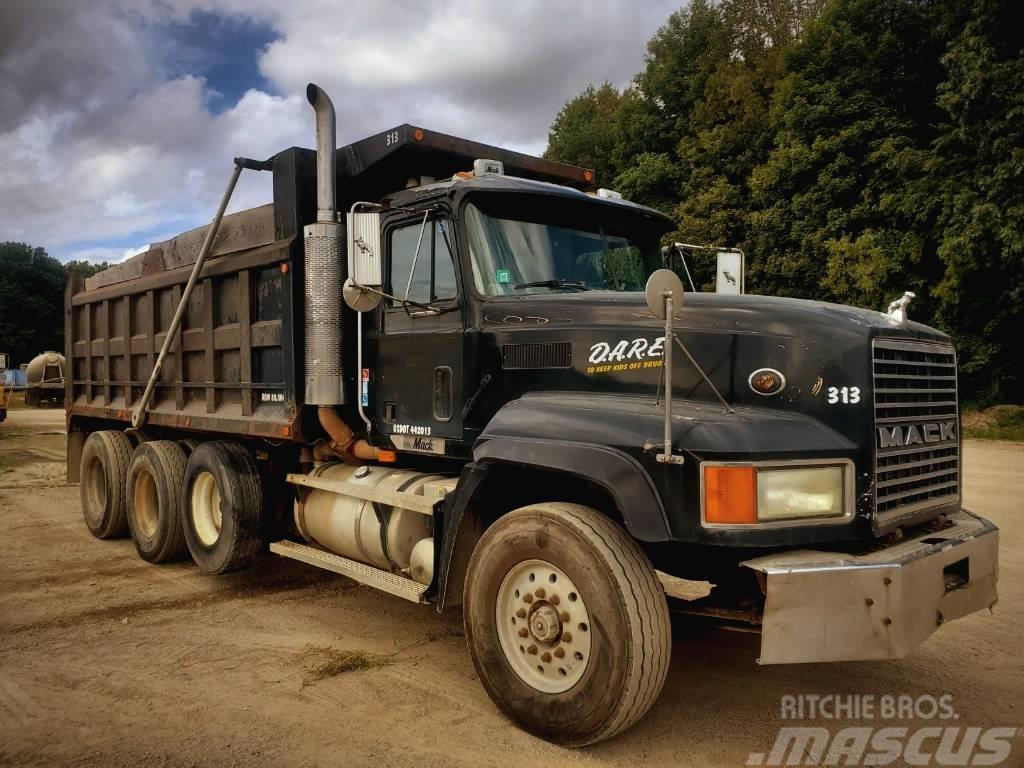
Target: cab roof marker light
{"points": [[484, 167], [609, 194]]}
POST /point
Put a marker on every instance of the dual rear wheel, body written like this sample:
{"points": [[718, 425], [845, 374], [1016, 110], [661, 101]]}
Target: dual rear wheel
{"points": [[174, 498]]}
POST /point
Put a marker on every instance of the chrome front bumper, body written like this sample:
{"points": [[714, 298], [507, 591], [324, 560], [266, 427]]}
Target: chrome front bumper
{"points": [[828, 606]]}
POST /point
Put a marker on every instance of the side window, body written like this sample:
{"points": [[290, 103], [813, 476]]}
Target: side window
{"points": [[433, 279]]}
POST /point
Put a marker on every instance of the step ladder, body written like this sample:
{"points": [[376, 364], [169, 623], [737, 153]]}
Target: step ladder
{"points": [[393, 584]]}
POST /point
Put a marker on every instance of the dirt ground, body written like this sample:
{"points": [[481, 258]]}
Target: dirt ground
{"points": [[106, 660]]}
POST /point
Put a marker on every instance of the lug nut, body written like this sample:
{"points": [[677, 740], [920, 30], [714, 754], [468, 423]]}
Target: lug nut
{"points": [[559, 652], [521, 613], [553, 600], [567, 637], [564, 616], [532, 650], [545, 657], [524, 632], [540, 592], [528, 597]]}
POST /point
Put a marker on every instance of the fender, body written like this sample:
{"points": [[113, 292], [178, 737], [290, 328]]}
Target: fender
{"points": [[525, 433], [565, 433], [618, 473]]}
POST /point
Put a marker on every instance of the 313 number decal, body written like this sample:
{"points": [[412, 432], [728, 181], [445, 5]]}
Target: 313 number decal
{"points": [[844, 395]]}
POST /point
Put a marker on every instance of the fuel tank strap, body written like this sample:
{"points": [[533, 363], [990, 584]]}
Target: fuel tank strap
{"points": [[413, 502]]}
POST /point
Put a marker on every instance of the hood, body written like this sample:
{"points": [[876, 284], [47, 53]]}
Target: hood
{"points": [[706, 311], [609, 342]]}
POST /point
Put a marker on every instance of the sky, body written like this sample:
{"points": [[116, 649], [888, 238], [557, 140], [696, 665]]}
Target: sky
{"points": [[119, 119]]}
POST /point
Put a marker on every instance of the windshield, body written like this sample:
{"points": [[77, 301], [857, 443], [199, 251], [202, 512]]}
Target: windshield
{"points": [[547, 245]]}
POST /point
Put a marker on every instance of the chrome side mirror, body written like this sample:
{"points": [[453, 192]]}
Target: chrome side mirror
{"points": [[365, 257]]}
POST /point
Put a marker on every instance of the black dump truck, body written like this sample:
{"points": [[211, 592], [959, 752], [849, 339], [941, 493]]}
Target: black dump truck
{"points": [[457, 374]]}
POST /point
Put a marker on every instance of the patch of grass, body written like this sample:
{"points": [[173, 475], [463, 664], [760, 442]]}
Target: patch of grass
{"points": [[1000, 422], [323, 661]]}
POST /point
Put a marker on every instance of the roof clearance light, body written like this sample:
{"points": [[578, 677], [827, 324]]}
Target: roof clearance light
{"points": [[484, 167], [609, 194]]}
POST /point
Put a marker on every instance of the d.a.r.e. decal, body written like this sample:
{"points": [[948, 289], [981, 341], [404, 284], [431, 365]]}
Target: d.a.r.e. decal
{"points": [[626, 355]]}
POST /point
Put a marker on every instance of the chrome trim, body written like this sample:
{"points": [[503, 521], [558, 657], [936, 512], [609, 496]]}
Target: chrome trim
{"points": [[849, 493], [913, 510], [780, 374], [840, 606]]}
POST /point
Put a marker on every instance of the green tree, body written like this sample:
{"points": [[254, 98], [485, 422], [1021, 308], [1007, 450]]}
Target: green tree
{"points": [[31, 302], [83, 269], [853, 123], [853, 149], [980, 158], [585, 132]]}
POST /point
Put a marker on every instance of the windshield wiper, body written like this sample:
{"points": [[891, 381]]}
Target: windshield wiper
{"points": [[578, 285]]}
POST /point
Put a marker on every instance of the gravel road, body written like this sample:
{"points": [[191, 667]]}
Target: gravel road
{"points": [[106, 660]]}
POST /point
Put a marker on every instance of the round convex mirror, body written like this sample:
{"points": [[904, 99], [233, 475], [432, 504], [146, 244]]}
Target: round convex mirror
{"points": [[358, 298], [658, 283]]}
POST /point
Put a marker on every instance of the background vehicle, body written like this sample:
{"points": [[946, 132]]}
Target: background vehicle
{"points": [[539, 436], [45, 380]]}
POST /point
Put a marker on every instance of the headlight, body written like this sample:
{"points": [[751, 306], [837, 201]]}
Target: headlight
{"points": [[747, 495], [783, 494]]}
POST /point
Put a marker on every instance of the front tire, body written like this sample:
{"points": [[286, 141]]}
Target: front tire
{"points": [[566, 622], [222, 506]]}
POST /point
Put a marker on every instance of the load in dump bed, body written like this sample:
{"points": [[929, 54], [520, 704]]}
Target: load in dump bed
{"points": [[488, 389]]}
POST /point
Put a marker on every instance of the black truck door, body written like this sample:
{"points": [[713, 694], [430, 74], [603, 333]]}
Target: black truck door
{"points": [[419, 376]]}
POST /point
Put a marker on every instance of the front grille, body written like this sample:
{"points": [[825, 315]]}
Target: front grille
{"points": [[917, 445]]}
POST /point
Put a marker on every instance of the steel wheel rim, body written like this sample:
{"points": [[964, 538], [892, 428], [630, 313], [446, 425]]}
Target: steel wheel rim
{"points": [[145, 504], [206, 512], [543, 626], [95, 490]]}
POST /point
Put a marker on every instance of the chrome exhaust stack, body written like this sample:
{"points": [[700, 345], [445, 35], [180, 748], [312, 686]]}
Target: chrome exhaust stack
{"points": [[325, 267]]}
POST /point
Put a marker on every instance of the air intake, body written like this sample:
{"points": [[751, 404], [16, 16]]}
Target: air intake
{"points": [[552, 354]]}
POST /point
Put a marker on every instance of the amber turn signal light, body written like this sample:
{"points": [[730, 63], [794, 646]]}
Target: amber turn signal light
{"points": [[730, 495]]}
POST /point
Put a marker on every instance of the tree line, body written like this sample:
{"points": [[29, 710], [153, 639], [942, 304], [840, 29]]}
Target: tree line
{"points": [[854, 149], [32, 300]]}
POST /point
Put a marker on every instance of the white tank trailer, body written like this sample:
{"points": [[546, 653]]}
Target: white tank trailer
{"points": [[45, 374]]}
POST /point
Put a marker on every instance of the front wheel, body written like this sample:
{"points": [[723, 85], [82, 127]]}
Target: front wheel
{"points": [[566, 622]]}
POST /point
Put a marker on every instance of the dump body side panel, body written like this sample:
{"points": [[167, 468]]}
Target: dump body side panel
{"points": [[232, 366]]}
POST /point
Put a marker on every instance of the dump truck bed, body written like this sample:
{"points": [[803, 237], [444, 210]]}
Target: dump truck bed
{"points": [[232, 365]]}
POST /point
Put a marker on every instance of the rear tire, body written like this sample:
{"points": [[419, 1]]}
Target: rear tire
{"points": [[566, 622], [154, 501], [103, 471], [222, 507]]}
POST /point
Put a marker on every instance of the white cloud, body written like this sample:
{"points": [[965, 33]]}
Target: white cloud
{"points": [[98, 144]]}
